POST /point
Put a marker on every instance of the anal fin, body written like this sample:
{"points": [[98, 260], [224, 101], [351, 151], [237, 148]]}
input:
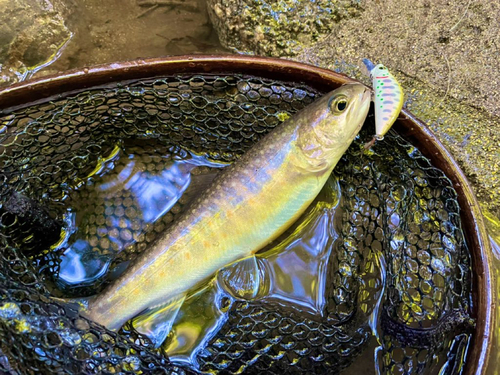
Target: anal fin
{"points": [[243, 279], [156, 323]]}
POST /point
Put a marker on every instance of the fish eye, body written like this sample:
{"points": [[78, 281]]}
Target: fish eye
{"points": [[339, 105]]}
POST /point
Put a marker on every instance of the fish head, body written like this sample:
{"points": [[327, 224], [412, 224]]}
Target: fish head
{"points": [[333, 123], [347, 110]]}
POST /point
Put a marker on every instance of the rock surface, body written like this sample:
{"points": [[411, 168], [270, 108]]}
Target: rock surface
{"points": [[447, 58], [31, 35], [276, 28]]}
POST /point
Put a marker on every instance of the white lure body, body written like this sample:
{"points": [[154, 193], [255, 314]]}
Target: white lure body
{"points": [[388, 97]]}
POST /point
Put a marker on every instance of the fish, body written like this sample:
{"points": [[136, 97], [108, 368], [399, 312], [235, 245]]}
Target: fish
{"points": [[248, 205], [388, 99]]}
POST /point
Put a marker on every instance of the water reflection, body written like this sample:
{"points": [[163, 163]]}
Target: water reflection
{"points": [[298, 268], [78, 264], [116, 208]]}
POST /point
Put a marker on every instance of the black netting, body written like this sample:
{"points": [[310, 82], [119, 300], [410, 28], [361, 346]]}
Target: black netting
{"points": [[400, 234]]}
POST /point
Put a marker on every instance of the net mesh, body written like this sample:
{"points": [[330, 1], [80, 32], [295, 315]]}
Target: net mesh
{"points": [[400, 220]]}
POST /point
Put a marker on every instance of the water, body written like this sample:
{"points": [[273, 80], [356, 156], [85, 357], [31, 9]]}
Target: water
{"points": [[116, 30], [134, 189]]}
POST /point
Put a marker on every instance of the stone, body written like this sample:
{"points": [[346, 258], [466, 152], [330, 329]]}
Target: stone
{"points": [[276, 28], [31, 35]]}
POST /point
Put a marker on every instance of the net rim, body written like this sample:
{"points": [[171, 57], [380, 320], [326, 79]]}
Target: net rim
{"points": [[27, 93]]}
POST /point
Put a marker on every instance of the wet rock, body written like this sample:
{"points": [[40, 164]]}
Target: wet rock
{"points": [[30, 223], [447, 58], [31, 35], [118, 30], [277, 28]]}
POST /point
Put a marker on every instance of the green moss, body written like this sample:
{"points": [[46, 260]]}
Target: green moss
{"points": [[277, 28], [282, 116]]}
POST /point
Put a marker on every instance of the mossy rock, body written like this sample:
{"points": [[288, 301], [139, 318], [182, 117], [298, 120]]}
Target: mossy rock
{"points": [[276, 28]]}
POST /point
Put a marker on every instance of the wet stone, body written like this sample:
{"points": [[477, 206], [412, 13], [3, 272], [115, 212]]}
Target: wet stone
{"points": [[249, 26]]}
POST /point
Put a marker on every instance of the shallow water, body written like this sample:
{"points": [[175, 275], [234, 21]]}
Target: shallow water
{"points": [[119, 30]]}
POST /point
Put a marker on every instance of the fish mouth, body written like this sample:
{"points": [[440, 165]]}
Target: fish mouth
{"points": [[360, 111]]}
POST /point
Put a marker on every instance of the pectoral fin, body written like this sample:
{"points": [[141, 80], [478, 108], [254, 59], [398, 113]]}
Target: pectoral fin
{"points": [[157, 322], [242, 280]]}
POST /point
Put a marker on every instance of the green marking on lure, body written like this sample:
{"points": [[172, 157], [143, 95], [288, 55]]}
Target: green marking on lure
{"points": [[388, 99]]}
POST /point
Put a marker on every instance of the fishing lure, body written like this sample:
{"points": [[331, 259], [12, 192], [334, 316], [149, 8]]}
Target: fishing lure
{"points": [[388, 99]]}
